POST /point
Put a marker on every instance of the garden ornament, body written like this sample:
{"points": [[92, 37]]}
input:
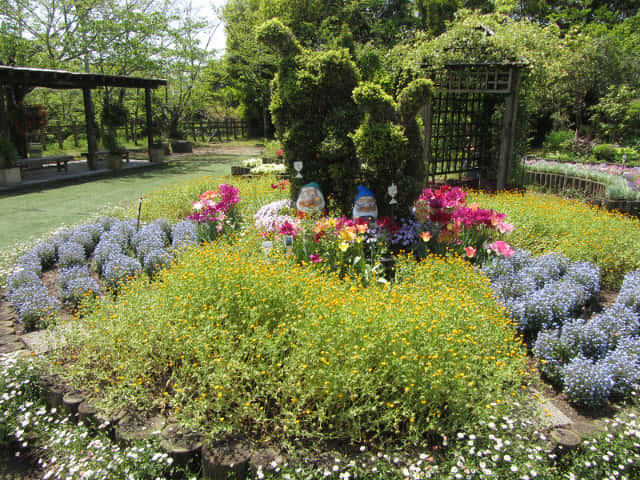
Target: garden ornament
{"points": [[365, 205], [310, 200]]}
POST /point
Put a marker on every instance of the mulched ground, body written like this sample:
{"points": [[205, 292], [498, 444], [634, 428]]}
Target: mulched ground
{"points": [[23, 467]]}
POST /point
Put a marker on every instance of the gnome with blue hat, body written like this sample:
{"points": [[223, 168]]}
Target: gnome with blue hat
{"points": [[365, 205], [310, 200]]}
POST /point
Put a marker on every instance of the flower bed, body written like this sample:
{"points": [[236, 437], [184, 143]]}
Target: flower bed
{"points": [[623, 183], [112, 247], [593, 359], [232, 341]]}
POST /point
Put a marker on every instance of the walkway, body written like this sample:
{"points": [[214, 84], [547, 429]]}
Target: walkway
{"points": [[77, 170]]}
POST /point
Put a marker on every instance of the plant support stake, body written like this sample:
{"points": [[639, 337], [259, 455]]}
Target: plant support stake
{"points": [[139, 210]]}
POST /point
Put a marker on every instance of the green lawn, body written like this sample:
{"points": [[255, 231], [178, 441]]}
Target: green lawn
{"points": [[24, 215]]}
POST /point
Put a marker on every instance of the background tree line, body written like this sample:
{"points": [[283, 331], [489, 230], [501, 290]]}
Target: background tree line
{"points": [[583, 74]]}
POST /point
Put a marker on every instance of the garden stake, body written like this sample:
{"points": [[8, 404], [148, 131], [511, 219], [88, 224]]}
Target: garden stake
{"points": [[139, 210]]}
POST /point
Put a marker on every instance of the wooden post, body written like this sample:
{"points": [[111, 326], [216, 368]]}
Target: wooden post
{"points": [[427, 118], [147, 104], [91, 128], [74, 129], [508, 131]]}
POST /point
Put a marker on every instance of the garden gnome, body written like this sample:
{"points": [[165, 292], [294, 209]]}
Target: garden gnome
{"points": [[365, 205], [310, 201]]}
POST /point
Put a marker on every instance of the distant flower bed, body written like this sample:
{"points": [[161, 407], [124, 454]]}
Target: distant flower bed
{"points": [[112, 248], [593, 359], [622, 182], [269, 168]]}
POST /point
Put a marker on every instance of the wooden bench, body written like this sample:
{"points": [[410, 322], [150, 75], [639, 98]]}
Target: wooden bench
{"points": [[102, 154], [39, 162]]}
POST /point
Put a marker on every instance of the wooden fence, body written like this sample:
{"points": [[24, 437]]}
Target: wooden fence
{"points": [[591, 190], [202, 130]]}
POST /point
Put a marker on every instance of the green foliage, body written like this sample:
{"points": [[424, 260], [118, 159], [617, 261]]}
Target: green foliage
{"points": [[110, 142], [313, 112], [114, 115], [617, 114], [8, 153], [415, 96], [558, 139], [392, 152], [237, 342], [605, 152], [375, 102], [279, 38]]}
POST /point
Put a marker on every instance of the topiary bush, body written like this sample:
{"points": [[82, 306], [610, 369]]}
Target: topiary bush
{"points": [[313, 112], [388, 141]]}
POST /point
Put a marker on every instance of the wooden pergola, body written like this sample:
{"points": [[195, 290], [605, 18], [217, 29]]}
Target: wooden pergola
{"points": [[21, 80]]}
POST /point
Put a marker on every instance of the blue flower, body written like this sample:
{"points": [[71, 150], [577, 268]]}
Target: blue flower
{"points": [[586, 383], [71, 253]]}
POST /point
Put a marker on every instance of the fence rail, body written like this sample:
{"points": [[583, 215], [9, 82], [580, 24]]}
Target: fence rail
{"points": [[202, 130], [593, 191]]}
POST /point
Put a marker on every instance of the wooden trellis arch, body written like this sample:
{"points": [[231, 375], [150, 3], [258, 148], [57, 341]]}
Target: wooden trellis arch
{"points": [[470, 122]]}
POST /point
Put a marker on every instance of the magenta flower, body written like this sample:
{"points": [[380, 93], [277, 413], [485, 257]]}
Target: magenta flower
{"points": [[288, 228], [315, 258]]}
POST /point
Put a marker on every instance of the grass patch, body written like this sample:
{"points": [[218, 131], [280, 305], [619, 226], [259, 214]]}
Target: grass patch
{"points": [[32, 214], [546, 223]]}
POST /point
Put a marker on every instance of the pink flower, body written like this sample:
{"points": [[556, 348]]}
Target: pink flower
{"points": [[288, 228], [504, 227], [502, 248], [470, 251], [315, 258]]}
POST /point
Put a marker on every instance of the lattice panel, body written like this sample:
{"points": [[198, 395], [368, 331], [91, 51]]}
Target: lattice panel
{"points": [[463, 133]]}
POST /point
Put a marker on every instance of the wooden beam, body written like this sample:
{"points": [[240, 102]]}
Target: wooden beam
{"points": [[91, 129]]}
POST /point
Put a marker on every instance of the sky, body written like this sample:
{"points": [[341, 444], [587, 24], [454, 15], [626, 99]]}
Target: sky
{"points": [[205, 8]]}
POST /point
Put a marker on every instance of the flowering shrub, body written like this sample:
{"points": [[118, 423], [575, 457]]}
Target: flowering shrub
{"points": [[587, 383], [215, 211], [156, 259], [71, 253], [452, 224], [120, 267], [184, 233], [152, 237], [630, 291], [607, 345], [110, 244], [47, 253], [32, 303], [76, 283], [542, 292]]}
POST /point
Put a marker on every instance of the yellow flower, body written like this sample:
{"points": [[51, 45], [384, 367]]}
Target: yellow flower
{"points": [[343, 246]]}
